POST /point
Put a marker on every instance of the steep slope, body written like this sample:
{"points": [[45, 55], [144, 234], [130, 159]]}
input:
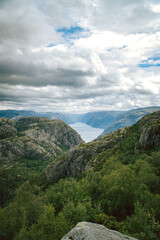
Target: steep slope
{"points": [[100, 119], [144, 135], [35, 138], [128, 118]]}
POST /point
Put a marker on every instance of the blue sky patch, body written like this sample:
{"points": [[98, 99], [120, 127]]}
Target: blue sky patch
{"points": [[71, 33], [72, 30], [150, 62], [51, 45]]}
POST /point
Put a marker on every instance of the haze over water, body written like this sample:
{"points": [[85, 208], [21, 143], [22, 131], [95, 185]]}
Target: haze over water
{"points": [[87, 132]]}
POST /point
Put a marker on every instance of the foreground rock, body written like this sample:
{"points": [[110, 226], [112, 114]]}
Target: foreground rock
{"points": [[92, 231]]}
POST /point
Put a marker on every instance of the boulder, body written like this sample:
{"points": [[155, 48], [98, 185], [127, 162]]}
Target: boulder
{"points": [[92, 231]]}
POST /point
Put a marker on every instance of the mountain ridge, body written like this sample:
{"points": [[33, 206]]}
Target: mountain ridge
{"points": [[74, 162], [107, 120]]}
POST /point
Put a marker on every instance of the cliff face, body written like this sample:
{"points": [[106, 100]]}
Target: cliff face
{"points": [[82, 157], [87, 231], [150, 130], [35, 138]]}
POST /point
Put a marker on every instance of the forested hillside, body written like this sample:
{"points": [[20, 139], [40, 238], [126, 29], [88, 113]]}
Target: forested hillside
{"points": [[113, 180], [27, 146]]}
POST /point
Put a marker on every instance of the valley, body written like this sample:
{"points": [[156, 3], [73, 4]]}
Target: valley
{"points": [[52, 180], [86, 132]]}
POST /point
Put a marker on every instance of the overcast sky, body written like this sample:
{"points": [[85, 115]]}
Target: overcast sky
{"points": [[79, 55]]}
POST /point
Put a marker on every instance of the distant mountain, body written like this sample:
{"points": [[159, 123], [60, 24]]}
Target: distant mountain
{"points": [[15, 115], [101, 119], [107, 120], [128, 118]]}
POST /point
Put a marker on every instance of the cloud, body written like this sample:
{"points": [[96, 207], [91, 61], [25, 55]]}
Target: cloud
{"points": [[79, 55]]}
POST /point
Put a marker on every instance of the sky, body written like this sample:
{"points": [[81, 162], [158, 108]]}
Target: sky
{"points": [[79, 55]]}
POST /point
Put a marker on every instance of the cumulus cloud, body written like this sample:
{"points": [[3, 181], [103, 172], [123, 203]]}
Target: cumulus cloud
{"points": [[79, 55]]}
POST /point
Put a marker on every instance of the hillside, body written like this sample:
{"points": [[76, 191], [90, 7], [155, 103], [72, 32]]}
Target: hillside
{"points": [[128, 118], [28, 145], [80, 158], [113, 181]]}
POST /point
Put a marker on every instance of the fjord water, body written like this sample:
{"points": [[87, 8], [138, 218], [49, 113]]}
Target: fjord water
{"points": [[87, 132]]}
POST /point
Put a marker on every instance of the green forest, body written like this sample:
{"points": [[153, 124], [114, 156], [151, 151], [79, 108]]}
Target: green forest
{"points": [[121, 191]]}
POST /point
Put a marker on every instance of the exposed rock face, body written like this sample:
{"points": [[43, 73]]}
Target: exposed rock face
{"points": [[77, 159], [150, 130], [92, 231], [35, 138]]}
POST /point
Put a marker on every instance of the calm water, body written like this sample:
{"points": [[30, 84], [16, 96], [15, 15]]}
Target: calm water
{"points": [[87, 132]]}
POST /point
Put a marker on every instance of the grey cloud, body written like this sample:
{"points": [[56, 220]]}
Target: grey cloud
{"points": [[32, 77], [35, 77], [23, 22]]}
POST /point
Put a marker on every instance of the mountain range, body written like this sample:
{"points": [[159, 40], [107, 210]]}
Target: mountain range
{"points": [[107, 120]]}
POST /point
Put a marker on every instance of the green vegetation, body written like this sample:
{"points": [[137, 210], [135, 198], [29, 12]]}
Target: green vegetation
{"points": [[13, 174], [125, 197], [120, 190]]}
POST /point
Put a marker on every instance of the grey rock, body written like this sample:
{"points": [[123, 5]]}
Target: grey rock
{"points": [[77, 160], [35, 138], [92, 231], [150, 130]]}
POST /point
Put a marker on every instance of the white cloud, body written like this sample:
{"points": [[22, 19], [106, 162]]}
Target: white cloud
{"points": [[94, 69]]}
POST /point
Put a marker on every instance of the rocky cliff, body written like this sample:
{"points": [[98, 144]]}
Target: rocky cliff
{"points": [[35, 138], [92, 231], [149, 127], [78, 159], [145, 134]]}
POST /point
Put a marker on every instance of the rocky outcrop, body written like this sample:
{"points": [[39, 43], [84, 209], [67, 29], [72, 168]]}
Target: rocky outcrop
{"points": [[35, 138], [92, 231], [150, 130], [77, 160]]}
